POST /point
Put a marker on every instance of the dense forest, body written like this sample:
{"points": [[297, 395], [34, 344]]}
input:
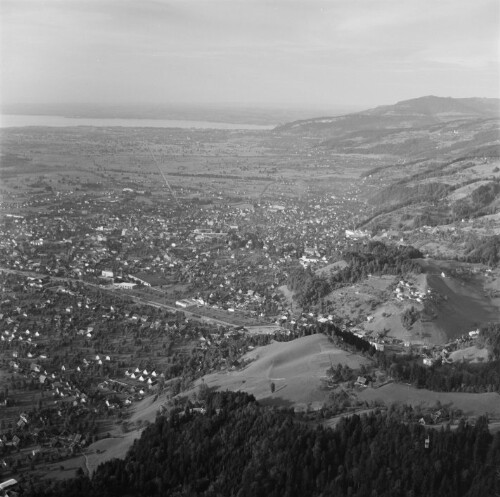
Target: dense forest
{"points": [[237, 448], [345, 339], [489, 337], [376, 257], [484, 250], [456, 377], [441, 376], [478, 203], [398, 194], [444, 377]]}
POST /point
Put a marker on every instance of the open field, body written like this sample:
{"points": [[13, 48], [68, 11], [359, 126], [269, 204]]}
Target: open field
{"points": [[472, 404], [109, 448], [359, 300], [465, 298], [470, 354], [117, 446], [65, 469], [465, 304], [295, 367], [334, 267], [465, 191], [215, 164], [264, 329]]}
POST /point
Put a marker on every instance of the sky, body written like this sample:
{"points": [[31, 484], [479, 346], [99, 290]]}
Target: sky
{"points": [[247, 52]]}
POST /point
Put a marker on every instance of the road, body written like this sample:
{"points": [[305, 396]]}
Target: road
{"points": [[121, 294]]}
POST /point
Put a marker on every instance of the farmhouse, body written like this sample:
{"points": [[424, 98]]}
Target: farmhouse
{"points": [[362, 381]]}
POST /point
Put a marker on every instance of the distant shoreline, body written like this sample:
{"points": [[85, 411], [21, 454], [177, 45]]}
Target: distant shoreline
{"points": [[31, 120]]}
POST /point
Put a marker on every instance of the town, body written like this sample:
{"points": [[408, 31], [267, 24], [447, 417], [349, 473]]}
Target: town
{"points": [[125, 288]]}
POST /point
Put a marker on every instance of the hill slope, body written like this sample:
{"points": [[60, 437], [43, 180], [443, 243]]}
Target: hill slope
{"points": [[294, 367], [440, 159]]}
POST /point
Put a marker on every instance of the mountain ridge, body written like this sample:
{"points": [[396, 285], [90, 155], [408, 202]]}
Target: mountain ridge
{"points": [[431, 105], [419, 111]]}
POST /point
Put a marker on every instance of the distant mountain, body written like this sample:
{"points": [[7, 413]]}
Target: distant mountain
{"points": [[418, 112], [424, 127], [441, 155], [441, 108]]}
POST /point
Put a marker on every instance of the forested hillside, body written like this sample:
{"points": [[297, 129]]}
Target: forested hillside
{"points": [[240, 449], [363, 259]]}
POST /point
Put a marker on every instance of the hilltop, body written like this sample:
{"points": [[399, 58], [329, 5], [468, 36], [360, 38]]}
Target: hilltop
{"points": [[441, 108], [294, 367]]}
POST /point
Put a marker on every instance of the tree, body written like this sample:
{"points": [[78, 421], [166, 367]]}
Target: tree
{"points": [[203, 391]]}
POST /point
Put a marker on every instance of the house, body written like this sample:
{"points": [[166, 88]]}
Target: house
{"points": [[7, 484], [35, 367], [378, 346], [362, 381]]}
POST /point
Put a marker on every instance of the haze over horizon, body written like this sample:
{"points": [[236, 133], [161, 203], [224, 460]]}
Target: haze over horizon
{"points": [[310, 53]]}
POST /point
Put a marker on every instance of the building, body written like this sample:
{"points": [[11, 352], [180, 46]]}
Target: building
{"points": [[356, 234], [125, 285], [7, 484]]}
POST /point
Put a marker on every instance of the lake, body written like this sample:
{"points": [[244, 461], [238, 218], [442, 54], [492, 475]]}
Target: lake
{"points": [[21, 120]]}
